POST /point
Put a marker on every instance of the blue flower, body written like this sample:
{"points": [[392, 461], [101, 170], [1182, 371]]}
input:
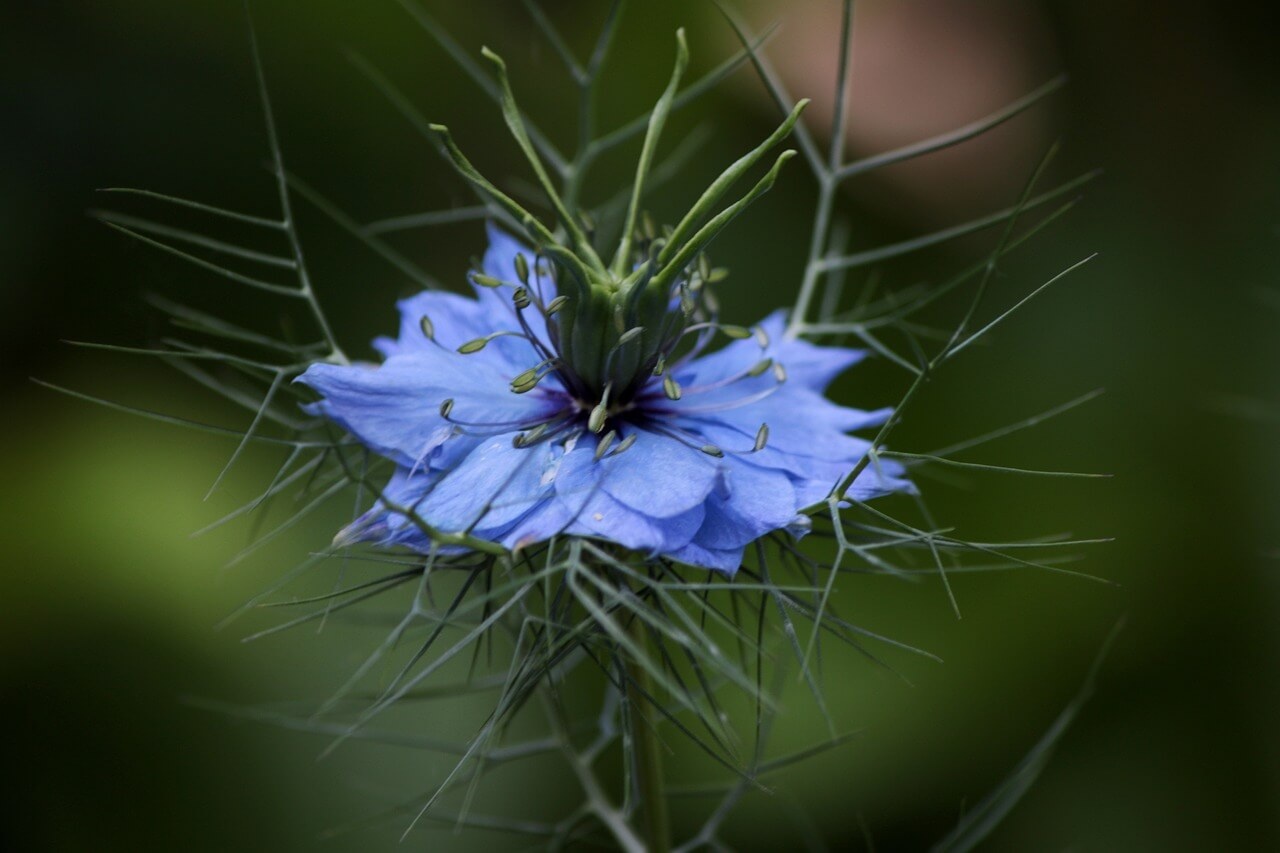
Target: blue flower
{"points": [[656, 445]]}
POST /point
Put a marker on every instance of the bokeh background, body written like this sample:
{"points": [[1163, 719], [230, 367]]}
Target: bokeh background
{"points": [[110, 607]]}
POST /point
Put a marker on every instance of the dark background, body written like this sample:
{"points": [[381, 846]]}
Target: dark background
{"points": [[110, 607]]}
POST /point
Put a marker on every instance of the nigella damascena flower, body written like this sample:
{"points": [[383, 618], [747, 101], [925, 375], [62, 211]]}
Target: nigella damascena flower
{"points": [[499, 429]]}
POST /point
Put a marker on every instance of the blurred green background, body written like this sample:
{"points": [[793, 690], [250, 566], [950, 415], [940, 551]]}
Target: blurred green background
{"points": [[110, 607]]}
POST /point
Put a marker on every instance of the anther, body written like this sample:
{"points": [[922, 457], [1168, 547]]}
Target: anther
{"points": [[626, 444], [522, 268], [600, 414], [446, 408], [671, 387], [762, 438], [605, 444], [428, 328]]}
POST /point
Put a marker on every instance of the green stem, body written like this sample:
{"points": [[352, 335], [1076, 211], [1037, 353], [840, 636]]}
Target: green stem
{"points": [[655, 825]]}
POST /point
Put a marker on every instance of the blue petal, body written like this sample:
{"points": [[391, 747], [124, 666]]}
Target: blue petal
{"points": [[394, 409], [758, 501], [491, 489], [581, 487], [726, 561], [658, 476], [807, 366]]}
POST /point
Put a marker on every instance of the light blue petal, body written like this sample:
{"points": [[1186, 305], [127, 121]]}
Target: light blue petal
{"points": [[394, 409], [726, 561], [659, 476], [758, 501], [493, 487]]}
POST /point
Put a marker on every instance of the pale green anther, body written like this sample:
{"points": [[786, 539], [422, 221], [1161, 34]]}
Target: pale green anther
{"points": [[762, 337], [556, 304], [485, 280], [600, 414], [779, 373], [525, 439], [712, 450], [522, 268], [738, 333], [474, 345], [446, 408], [520, 298], [717, 275], [661, 366], [428, 328], [760, 367], [670, 387], [762, 438], [596, 421], [630, 335], [626, 444], [525, 381], [605, 443]]}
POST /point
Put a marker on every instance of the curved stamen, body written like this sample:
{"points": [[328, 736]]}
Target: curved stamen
{"points": [[720, 407]]}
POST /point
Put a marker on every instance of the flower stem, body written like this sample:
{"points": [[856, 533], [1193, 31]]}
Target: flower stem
{"points": [[655, 826]]}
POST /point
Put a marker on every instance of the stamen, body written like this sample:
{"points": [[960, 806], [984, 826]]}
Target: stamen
{"points": [[477, 344], [486, 280], [600, 413], [671, 387], [721, 407], [606, 443], [529, 379], [428, 328], [556, 304], [762, 438], [522, 268], [626, 444]]}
